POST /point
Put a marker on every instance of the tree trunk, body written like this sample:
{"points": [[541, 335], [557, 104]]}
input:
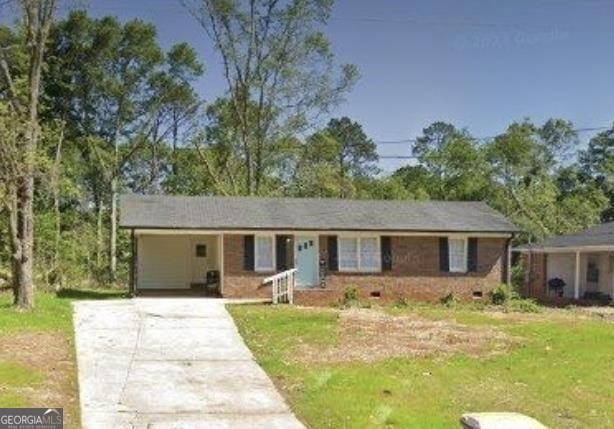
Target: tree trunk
{"points": [[25, 239], [15, 245], [174, 160], [56, 207], [99, 238]]}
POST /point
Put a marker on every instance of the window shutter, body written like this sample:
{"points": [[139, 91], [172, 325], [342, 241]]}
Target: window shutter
{"points": [[386, 251], [472, 255], [333, 260], [281, 253], [248, 253], [444, 256]]}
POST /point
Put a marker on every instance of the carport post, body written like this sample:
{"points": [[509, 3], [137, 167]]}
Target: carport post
{"points": [[132, 263], [576, 286]]}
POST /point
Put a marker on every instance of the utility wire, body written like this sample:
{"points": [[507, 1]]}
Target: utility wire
{"points": [[487, 138]]}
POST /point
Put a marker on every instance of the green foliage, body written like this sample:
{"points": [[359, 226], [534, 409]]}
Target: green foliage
{"points": [[518, 275], [450, 300], [523, 306], [503, 294], [350, 297]]}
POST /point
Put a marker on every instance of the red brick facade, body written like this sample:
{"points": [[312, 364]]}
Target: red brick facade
{"points": [[535, 275], [237, 282], [415, 274]]}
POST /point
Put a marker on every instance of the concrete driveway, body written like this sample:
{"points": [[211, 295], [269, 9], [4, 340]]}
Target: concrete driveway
{"points": [[170, 363]]}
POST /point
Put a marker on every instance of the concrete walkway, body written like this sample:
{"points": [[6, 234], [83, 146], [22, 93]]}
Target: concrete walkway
{"points": [[170, 363]]}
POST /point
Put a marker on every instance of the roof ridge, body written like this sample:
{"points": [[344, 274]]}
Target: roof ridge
{"points": [[256, 197]]}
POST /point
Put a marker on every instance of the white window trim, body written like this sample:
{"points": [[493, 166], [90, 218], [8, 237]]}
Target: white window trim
{"points": [[466, 251], [274, 250], [378, 269]]}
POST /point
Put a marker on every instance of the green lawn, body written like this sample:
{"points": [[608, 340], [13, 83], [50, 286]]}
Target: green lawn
{"points": [[37, 359], [560, 370]]}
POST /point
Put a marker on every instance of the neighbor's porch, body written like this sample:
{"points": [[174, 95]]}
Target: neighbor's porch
{"points": [[587, 273]]}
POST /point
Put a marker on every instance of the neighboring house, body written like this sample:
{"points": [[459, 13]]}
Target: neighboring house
{"points": [[386, 249], [583, 260]]}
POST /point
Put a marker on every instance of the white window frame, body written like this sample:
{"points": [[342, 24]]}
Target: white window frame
{"points": [[359, 237], [273, 251], [465, 268]]}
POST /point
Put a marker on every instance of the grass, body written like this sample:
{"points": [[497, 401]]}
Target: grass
{"points": [[37, 360], [561, 372]]}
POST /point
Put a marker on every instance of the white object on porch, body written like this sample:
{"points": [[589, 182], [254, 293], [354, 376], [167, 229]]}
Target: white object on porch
{"points": [[283, 286]]}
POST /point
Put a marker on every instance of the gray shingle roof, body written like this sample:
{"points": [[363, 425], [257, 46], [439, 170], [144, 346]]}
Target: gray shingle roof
{"points": [[600, 235], [158, 211]]}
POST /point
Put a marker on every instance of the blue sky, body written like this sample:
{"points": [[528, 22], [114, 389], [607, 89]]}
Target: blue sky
{"points": [[479, 64]]}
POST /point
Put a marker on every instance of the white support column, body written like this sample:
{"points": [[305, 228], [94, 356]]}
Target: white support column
{"points": [[576, 286]]}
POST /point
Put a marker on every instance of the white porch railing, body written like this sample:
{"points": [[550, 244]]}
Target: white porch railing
{"points": [[283, 286]]}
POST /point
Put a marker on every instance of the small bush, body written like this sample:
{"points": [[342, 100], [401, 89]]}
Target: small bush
{"points": [[450, 300], [503, 294], [401, 303], [523, 306], [350, 297]]}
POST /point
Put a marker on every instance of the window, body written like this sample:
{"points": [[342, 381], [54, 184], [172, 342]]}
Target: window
{"points": [[201, 251], [457, 251], [359, 254], [264, 252], [348, 254]]}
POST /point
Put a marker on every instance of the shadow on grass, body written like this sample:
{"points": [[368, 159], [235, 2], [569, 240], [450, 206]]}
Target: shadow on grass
{"points": [[78, 294]]}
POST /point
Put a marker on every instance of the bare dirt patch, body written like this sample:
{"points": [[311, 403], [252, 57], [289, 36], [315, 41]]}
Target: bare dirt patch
{"points": [[371, 335], [50, 353]]}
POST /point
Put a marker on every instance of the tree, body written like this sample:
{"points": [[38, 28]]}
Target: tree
{"points": [[37, 20], [120, 95], [335, 159], [597, 162], [532, 187], [452, 163], [279, 72]]}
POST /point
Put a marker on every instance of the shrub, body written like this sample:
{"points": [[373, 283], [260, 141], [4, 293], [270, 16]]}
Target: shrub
{"points": [[350, 297], [518, 275], [450, 300], [503, 294], [401, 303], [523, 306]]}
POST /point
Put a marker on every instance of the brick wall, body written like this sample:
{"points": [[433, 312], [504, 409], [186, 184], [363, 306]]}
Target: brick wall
{"points": [[239, 283], [415, 273], [535, 274]]}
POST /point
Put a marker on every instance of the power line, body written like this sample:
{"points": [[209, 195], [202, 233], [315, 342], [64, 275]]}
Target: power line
{"points": [[486, 138]]}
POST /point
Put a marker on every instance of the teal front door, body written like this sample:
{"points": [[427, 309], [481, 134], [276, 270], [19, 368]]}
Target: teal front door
{"points": [[306, 251]]}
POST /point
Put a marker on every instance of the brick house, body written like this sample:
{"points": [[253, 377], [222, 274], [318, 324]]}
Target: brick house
{"points": [[250, 247]]}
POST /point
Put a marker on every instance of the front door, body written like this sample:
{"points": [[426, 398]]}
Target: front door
{"points": [[306, 251]]}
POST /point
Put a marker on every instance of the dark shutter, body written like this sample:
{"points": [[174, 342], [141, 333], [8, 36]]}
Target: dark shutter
{"points": [[386, 250], [281, 252], [248, 253], [444, 257], [472, 255], [333, 261]]}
